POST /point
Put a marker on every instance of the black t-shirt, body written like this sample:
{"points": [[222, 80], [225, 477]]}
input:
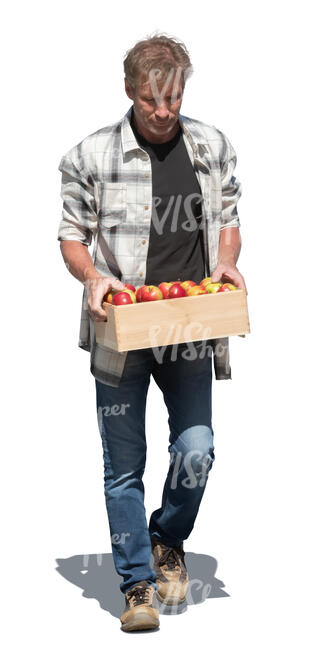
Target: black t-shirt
{"points": [[176, 249]]}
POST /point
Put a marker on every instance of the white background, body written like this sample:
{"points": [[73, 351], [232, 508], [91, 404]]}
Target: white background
{"points": [[63, 79]]}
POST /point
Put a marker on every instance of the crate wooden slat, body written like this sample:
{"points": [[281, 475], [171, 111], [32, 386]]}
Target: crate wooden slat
{"points": [[174, 320]]}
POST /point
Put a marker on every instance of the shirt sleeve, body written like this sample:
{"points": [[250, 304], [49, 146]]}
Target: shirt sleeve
{"points": [[231, 188], [79, 216]]}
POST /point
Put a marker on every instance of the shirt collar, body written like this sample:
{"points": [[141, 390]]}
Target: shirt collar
{"points": [[194, 136]]}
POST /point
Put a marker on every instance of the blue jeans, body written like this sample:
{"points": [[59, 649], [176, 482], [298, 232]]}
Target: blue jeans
{"points": [[186, 387]]}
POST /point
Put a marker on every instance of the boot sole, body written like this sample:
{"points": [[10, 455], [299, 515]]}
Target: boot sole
{"points": [[140, 622]]}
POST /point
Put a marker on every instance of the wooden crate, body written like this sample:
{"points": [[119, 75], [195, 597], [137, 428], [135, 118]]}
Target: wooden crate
{"points": [[174, 320]]}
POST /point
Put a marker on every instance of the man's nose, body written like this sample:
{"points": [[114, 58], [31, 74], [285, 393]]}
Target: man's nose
{"points": [[162, 111]]}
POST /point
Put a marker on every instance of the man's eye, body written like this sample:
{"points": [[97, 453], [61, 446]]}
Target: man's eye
{"points": [[169, 99]]}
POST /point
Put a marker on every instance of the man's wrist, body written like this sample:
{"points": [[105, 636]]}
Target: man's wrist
{"points": [[91, 274], [228, 260]]}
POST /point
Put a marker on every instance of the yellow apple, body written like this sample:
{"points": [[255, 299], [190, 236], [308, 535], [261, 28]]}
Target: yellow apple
{"points": [[205, 281], [213, 287], [196, 290]]}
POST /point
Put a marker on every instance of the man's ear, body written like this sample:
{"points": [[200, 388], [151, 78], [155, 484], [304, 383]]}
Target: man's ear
{"points": [[128, 89]]}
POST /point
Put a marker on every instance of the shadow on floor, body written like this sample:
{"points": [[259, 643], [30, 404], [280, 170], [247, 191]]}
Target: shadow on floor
{"points": [[96, 576]]}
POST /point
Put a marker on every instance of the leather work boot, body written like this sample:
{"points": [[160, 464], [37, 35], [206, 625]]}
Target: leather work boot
{"points": [[141, 609], [172, 577]]}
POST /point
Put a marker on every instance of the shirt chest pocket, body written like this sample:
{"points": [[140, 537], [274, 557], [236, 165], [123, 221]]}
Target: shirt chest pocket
{"points": [[112, 201]]}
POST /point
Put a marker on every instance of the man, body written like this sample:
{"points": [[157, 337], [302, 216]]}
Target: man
{"points": [[156, 190]]}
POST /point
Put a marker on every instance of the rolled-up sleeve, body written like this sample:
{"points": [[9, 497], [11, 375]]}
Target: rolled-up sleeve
{"points": [[79, 215], [231, 187]]}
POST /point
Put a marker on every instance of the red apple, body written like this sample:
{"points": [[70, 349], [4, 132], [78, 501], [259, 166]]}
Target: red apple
{"points": [[122, 298], [164, 288], [187, 284], [150, 292], [197, 290], [129, 286], [138, 293], [131, 294], [227, 286], [176, 291]]}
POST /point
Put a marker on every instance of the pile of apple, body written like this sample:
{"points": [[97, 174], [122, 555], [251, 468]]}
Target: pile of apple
{"points": [[165, 290]]}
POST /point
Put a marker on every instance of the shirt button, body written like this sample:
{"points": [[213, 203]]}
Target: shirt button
{"points": [[146, 207], [146, 175], [143, 241], [140, 274]]}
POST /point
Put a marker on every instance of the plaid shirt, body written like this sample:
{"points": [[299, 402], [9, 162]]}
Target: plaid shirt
{"points": [[107, 196]]}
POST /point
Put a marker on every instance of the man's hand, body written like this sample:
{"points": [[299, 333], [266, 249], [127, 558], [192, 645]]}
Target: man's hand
{"points": [[229, 272], [229, 249], [97, 287]]}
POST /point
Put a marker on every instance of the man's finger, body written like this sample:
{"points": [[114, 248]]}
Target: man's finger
{"points": [[97, 313], [117, 284]]}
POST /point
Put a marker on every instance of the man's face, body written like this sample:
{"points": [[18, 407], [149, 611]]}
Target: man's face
{"points": [[156, 108]]}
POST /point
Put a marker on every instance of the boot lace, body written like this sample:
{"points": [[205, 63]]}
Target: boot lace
{"points": [[171, 557], [140, 594]]}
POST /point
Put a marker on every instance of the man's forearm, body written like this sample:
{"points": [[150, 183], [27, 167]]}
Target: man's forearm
{"points": [[229, 246], [229, 249], [78, 260]]}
